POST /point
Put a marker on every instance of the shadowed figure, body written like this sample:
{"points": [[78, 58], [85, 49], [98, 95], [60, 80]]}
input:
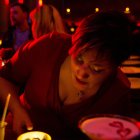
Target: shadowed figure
{"points": [[18, 32]]}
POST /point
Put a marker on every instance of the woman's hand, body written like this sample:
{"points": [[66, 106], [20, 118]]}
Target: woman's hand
{"points": [[19, 115], [21, 120]]}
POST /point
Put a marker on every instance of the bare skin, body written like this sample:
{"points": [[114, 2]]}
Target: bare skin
{"points": [[87, 75]]}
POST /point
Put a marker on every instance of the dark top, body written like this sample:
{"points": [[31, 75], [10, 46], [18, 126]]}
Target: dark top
{"points": [[38, 65], [8, 41]]}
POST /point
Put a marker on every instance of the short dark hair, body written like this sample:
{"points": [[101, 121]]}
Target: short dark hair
{"points": [[21, 5], [107, 31]]}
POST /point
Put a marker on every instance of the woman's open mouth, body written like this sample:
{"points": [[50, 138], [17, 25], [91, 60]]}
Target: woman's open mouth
{"points": [[80, 81]]}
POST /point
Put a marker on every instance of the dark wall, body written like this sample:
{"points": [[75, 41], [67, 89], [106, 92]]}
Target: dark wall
{"points": [[79, 8]]}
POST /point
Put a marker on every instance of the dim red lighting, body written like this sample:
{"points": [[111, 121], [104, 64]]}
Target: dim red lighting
{"points": [[138, 124], [6, 2], [20, 1], [40, 2], [138, 23]]}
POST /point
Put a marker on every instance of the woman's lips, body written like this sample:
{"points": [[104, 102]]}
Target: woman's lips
{"points": [[80, 81]]}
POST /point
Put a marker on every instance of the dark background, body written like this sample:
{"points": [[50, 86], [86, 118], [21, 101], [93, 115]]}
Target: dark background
{"points": [[79, 9]]}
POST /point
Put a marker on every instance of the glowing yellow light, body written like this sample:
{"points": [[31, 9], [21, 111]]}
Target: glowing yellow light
{"points": [[96, 9], [138, 24], [72, 29], [68, 10], [40, 2], [0, 42], [127, 10]]}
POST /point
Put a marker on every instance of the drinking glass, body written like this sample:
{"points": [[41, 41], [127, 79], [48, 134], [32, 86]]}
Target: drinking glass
{"points": [[110, 127], [2, 130], [34, 135]]}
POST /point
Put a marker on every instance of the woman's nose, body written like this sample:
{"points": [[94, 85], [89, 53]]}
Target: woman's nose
{"points": [[83, 72]]}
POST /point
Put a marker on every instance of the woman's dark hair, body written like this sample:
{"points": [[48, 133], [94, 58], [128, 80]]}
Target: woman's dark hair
{"points": [[21, 5], [108, 31]]}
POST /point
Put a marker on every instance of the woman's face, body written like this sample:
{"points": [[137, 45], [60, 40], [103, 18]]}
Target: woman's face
{"points": [[88, 73]]}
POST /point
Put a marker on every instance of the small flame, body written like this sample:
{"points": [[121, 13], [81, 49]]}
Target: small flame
{"points": [[40, 2]]}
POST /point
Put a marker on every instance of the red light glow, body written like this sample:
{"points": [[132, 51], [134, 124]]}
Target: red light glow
{"points": [[138, 124], [138, 23], [20, 1], [6, 2]]}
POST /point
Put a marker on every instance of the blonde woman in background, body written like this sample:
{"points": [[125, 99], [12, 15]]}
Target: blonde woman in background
{"points": [[45, 19]]}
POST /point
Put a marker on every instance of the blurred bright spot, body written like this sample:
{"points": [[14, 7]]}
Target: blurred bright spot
{"points": [[30, 128], [138, 23], [96, 9], [6, 2], [20, 1], [68, 10], [127, 10], [2, 64], [0, 42], [72, 29], [40, 2]]}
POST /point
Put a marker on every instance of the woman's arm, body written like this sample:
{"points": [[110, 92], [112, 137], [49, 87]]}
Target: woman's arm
{"points": [[20, 117]]}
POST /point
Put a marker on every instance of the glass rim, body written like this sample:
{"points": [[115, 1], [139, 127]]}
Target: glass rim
{"points": [[126, 118], [46, 134]]}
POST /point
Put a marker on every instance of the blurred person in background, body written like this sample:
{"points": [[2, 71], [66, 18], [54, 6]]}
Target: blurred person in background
{"points": [[18, 33], [68, 78], [45, 19]]}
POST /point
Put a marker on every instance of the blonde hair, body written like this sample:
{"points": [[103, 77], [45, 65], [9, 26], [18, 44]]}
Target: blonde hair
{"points": [[45, 19]]}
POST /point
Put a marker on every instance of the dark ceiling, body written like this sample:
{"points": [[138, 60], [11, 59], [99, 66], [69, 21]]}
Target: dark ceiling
{"points": [[81, 8]]}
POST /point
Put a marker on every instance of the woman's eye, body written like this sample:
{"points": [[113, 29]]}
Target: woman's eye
{"points": [[95, 69], [79, 59]]}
